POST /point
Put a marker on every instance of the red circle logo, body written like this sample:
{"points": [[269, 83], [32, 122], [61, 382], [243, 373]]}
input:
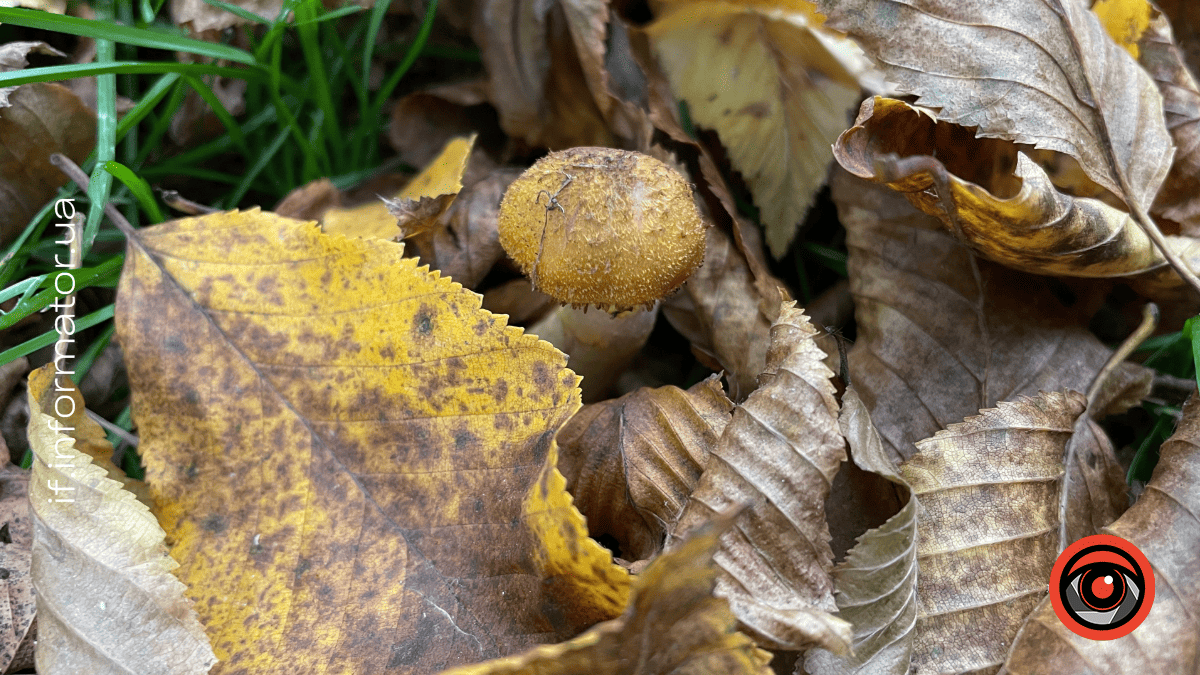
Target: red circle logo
{"points": [[1102, 587]]}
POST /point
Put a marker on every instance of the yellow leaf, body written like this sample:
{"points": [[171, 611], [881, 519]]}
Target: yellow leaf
{"points": [[673, 625], [342, 445], [1125, 21], [442, 177], [766, 81], [107, 602]]}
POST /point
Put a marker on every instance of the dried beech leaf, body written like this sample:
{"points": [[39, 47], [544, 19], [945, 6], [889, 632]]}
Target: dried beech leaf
{"points": [[94, 540], [718, 311], [17, 606], [354, 462], [42, 118], [414, 208], [942, 334], [12, 57], [674, 625], [767, 82], [778, 454], [876, 584], [632, 462], [1165, 525], [424, 121], [988, 489], [1181, 104], [1038, 72], [201, 16], [1035, 229]]}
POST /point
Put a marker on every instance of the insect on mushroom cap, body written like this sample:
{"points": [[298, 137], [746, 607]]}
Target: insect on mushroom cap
{"points": [[597, 226]]}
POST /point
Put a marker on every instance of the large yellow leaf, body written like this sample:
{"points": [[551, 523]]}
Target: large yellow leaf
{"points": [[674, 625], [765, 79], [353, 460], [107, 602], [989, 494]]}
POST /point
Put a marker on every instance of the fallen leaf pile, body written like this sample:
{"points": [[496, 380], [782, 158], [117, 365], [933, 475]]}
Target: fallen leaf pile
{"points": [[369, 447]]}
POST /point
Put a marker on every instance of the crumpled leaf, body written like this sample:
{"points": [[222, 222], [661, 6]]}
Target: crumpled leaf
{"points": [[376, 452], [942, 334], [876, 585], [17, 607], [1035, 228], [36, 120], [201, 16], [464, 243], [1165, 525], [535, 78], [413, 209], [94, 541], [1038, 72], [763, 77], [989, 494], [674, 624], [632, 462], [719, 312], [778, 454]]}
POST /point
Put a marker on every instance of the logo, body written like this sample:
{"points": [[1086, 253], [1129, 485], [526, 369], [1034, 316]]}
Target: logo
{"points": [[1102, 587]]}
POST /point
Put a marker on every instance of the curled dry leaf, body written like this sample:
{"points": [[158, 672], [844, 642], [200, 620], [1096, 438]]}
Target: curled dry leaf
{"points": [[414, 208], [1165, 525], [376, 452], [1020, 219], [778, 454], [1038, 72], [942, 334], [764, 77], [674, 625], [632, 462], [988, 489], [876, 584], [95, 540], [17, 607], [36, 121], [718, 311], [200, 16]]}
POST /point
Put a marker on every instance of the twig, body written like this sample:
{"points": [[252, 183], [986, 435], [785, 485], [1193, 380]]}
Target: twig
{"points": [[113, 429], [180, 203], [77, 176]]}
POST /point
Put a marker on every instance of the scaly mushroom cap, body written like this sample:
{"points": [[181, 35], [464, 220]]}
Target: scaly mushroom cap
{"points": [[604, 227]]}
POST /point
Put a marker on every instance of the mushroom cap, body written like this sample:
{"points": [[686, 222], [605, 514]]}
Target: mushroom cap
{"points": [[597, 226]]}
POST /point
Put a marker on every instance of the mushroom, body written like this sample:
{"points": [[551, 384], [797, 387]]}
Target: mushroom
{"points": [[597, 226], [607, 228]]}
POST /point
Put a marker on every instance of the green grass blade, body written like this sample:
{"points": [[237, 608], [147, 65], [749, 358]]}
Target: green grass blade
{"points": [[84, 363], [111, 31], [310, 45], [31, 302], [238, 11], [140, 189], [218, 108], [257, 168], [106, 143], [46, 339]]}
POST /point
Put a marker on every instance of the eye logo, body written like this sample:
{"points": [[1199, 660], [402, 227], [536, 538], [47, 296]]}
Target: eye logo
{"points": [[1102, 587]]}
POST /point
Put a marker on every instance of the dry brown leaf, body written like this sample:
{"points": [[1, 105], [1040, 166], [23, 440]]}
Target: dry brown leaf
{"points": [[778, 454], [12, 57], [424, 121], [535, 78], [674, 625], [1165, 525], [876, 584], [942, 334], [764, 77], [17, 608], [355, 462], [36, 120], [310, 201], [988, 489], [1040, 73], [719, 312], [200, 16], [1034, 227], [107, 599], [1181, 105], [632, 462], [464, 243]]}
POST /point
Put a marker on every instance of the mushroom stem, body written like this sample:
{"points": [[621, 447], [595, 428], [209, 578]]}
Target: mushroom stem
{"points": [[599, 346]]}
